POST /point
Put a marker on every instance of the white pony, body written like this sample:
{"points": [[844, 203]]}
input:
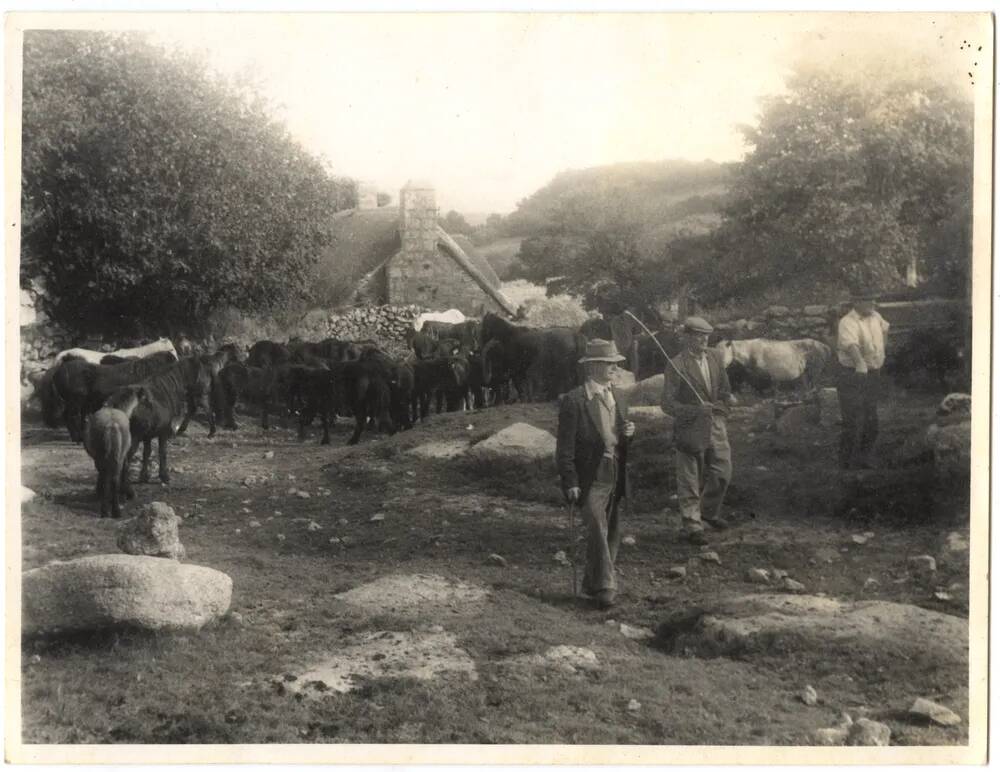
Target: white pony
{"points": [[452, 316], [95, 357]]}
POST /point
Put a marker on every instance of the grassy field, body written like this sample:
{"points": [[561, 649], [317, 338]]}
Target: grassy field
{"points": [[231, 682]]}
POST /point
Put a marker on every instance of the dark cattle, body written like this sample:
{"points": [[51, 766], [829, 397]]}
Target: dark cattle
{"points": [[542, 361], [443, 379], [322, 391], [83, 386], [468, 333], [496, 373], [215, 363], [267, 353], [400, 379], [263, 387], [368, 394], [169, 395], [107, 440]]}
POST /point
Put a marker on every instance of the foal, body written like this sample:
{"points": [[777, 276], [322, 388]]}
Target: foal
{"points": [[107, 440]]}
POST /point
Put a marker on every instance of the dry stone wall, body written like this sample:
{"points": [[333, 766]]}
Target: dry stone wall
{"points": [[782, 323]]}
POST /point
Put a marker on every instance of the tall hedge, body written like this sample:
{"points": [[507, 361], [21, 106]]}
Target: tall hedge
{"points": [[154, 191]]}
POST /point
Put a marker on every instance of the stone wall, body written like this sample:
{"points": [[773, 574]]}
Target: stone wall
{"points": [[782, 323], [433, 279]]}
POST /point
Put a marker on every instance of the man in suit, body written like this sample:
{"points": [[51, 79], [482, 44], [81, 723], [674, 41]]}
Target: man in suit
{"points": [[697, 395], [593, 435]]}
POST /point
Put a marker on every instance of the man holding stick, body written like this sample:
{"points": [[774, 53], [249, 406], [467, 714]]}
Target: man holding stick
{"points": [[696, 393], [593, 435]]}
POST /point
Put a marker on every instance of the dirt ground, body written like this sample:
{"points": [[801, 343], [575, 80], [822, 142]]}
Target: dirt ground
{"points": [[519, 672]]}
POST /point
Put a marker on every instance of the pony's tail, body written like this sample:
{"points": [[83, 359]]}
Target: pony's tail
{"points": [[49, 397]]}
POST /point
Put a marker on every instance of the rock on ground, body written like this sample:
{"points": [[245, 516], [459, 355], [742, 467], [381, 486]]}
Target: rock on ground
{"points": [[122, 590], [412, 592], [26, 495], [646, 392], [864, 731], [931, 711], [385, 654], [518, 441], [152, 532], [440, 449], [648, 411], [814, 622]]}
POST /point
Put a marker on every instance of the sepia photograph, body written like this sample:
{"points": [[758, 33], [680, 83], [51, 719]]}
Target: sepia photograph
{"points": [[569, 387]]}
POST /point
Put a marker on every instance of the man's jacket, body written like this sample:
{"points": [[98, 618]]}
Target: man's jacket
{"points": [[580, 447], [692, 426]]}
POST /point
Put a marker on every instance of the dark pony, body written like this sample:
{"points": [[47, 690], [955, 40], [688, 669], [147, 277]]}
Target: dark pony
{"points": [[170, 396], [108, 440], [83, 386]]}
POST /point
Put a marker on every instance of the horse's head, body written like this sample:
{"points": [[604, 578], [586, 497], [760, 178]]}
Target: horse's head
{"points": [[726, 353]]}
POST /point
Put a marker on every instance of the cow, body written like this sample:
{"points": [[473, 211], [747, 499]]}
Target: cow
{"points": [[107, 440], [799, 361]]}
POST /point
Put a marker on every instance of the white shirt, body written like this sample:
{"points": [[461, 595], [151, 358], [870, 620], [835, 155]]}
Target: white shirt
{"points": [[868, 333], [705, 372], [592, 387]]}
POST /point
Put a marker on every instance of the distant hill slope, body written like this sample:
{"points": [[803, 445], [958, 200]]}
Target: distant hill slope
{"points": [[501, 254], [662, 198]]}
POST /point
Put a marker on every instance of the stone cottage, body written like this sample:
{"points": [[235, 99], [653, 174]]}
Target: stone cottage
{"points": [[400, 255]]}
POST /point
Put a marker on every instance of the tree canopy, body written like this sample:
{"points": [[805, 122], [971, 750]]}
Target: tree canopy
{"points": [[619, 236], [849, 183], [154, 192]]}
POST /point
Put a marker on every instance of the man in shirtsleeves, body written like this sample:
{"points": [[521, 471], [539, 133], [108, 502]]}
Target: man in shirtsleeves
{"points": [[590, 453], [861, 336], [699, 403]]}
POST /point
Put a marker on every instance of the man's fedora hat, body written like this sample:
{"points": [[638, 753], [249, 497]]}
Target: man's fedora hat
{"points": [[697, 324], [601, 351]]}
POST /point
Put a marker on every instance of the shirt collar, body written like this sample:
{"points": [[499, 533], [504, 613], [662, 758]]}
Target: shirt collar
{"points": [[592, 387]]}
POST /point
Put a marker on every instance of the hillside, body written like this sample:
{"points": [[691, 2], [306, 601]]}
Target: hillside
{"points": [[663, 199]]}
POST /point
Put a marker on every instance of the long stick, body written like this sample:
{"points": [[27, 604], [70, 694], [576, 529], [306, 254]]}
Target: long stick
{"points": [[572, 546], [669, 361]]}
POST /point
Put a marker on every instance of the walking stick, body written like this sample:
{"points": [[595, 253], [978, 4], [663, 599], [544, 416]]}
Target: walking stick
{"points": [[572, 545], [669, 361]]}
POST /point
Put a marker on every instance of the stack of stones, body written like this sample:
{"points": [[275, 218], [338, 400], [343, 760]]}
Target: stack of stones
{"points": [[782, 323], [386, 325]]}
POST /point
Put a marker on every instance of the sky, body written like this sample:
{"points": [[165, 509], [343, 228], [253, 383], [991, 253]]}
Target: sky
{"points": [[489, 107]]}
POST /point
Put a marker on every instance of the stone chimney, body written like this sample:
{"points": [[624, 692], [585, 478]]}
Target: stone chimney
{"points": [[418, 216], [367, 195]]}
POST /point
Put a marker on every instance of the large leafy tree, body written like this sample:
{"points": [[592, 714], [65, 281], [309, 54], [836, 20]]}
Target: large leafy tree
{"points": [[154, 192], [850, 181]]}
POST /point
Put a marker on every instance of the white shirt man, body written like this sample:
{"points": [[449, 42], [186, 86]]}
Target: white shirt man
{"points": [[861, 340]]}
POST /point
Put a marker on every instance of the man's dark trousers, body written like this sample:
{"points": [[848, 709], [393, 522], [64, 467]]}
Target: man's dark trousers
{"points": [[858, 394]]}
